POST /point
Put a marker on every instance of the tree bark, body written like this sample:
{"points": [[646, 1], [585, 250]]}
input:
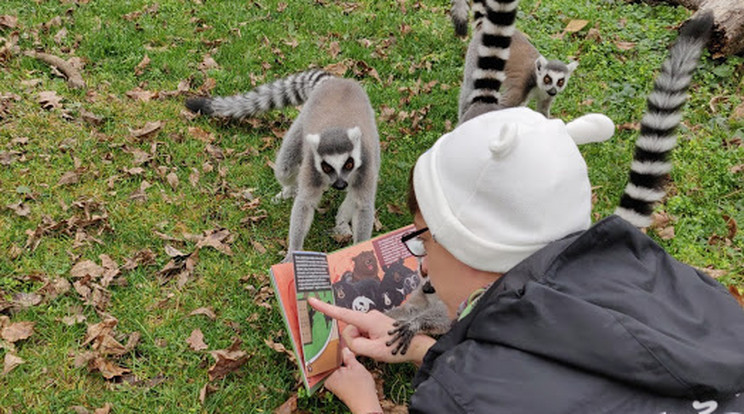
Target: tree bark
{"points": [[728, 18]]}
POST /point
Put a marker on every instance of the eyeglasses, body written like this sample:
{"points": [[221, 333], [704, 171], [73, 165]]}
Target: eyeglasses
{"points": [[413, 242]]}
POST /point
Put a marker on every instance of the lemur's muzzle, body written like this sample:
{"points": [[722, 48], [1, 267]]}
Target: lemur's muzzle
{"points": [[552, 92], [340, 184]]}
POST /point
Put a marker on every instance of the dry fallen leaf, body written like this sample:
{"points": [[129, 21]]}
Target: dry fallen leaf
{"points": [[276, 346], [140, 68], [50, 100], [8, 21], [17, 331], [110, 269], [97, 331], [196, 340], [216, 239], [731, 225], [70, 177], [106, 409], [143, 257], [108, 369], [85, 268], [205, 391], [139, 94], [738, 296], [25, 300], [91, 118], [208, 63], [172, 179], [625, 45], [227, 360], [201, 135], [334, 49], [208, 312], [11, 361], [629, 126], [738, 112], [54, 288], [338, 69], [20, 208], [150, 128], [109, 346], [575, 25], [289, 406]]}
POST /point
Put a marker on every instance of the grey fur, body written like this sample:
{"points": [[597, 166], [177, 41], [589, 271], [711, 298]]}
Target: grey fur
{"points": [[335, 128], [528, 75], [290, 91], [423, 311]]}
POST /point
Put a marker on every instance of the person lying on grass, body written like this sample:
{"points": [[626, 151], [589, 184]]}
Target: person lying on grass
{"points": [[552, 315]]}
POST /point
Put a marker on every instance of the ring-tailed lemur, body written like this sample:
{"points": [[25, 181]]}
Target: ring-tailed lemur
{"points": [[425, 313], [528, 73], [332, 143]]}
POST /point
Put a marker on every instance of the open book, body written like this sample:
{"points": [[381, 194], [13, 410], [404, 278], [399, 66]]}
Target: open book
{"points": [[375, 274]]}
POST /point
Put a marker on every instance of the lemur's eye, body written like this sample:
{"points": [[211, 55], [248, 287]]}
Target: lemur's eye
{"points": [[560, 82], [547, 80], [326, 167], [349, 164]]}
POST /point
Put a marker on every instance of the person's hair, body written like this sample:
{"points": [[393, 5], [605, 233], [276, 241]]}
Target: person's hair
{"points": [[413, 206]]}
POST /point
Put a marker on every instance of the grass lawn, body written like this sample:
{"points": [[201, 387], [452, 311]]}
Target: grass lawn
{"points": [[173, 215]]}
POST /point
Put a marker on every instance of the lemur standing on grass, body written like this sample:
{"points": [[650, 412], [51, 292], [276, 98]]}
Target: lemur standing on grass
{"points": [[528, 73], [332, 143]]}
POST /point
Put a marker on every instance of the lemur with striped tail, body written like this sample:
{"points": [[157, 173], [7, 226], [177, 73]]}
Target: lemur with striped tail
{"points": [[333, 143], [425, 313], [528, 74]]}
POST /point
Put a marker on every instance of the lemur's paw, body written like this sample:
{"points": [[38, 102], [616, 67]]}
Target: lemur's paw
{"points": [[285, 194], [402, 335]]}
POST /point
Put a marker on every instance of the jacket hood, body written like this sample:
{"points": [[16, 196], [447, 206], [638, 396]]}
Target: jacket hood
{"points": [[612, 302]]}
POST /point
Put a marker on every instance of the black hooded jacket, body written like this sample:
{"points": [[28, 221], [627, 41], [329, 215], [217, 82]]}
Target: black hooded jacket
{"points": [[600, 322]]}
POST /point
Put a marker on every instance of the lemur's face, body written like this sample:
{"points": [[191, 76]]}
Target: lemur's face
{"points": [[552, 76], [337, 155], [552, 82]]}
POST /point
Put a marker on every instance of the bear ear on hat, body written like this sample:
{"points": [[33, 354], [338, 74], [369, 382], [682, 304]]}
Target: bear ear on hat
{"points": [[591, 128], [506, 139]]}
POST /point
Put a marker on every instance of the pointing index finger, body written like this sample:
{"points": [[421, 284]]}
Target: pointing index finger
{"points": [[337, 312]]}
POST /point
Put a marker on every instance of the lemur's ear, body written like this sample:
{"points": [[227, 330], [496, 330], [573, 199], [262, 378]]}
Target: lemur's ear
{"points": [[354, 134], [540, 62], [313, 139], [591, 128], [572, 66]]}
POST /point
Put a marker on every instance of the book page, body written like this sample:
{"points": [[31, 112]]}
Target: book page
{"points": [[319, 333]]}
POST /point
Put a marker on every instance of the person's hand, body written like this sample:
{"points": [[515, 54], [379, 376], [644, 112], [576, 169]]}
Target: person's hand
{"points": [[367, 334], [354, 385]]}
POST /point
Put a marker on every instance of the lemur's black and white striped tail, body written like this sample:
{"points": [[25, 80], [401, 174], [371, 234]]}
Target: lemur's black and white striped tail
{"points": [[290, 91], [459, 13], [496, 22], [650, 166]]}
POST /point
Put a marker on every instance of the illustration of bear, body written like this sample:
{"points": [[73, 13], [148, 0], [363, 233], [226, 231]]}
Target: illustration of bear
{"points": [[365, 266], [358, 295], [397, 283]]}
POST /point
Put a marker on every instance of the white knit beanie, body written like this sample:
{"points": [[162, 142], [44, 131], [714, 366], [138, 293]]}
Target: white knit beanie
{"points": [[503, 185]]}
